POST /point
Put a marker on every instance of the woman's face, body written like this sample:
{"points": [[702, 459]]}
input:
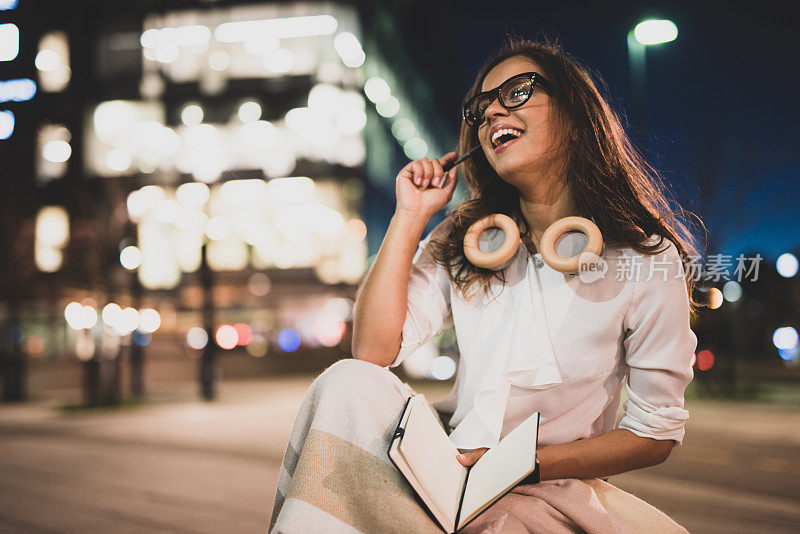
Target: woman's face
{"points": [[533, 150]]}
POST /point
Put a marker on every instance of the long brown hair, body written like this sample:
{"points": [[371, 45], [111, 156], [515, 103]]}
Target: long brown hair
{"points": [[609, 180]]}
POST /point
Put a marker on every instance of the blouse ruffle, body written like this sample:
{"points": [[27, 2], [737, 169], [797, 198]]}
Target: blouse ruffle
{"points": [[522, 356]]}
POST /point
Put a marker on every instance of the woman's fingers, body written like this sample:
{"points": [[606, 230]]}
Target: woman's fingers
{"points": [[427, 164], [426, 171], [451, 179], [470, 457], [447, 158], [438, 173], [417, 172]]}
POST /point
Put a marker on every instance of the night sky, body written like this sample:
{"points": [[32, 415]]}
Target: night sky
{"points": [[721, 101]]}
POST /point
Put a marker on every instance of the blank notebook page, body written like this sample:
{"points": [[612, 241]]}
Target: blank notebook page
{"points": [[501, 466], [432, 456]]}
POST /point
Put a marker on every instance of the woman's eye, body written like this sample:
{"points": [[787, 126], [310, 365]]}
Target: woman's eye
{"points": [[518, 93]]}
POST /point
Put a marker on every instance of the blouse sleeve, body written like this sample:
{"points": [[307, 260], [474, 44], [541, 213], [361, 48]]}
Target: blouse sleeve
{"points": [[428, 300], [659, 344]]}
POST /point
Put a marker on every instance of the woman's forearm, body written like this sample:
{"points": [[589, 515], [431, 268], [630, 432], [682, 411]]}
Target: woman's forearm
{"points": [[612, 453], [382, 299]]}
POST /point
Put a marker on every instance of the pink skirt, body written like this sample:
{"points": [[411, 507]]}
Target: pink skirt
{"points": [[337, 477]]}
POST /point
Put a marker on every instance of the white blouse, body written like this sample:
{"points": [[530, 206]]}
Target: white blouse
{"points": [[553, 343]]}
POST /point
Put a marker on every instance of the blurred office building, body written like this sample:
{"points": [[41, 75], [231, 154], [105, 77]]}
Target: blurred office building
{"points": [[206, 186]]}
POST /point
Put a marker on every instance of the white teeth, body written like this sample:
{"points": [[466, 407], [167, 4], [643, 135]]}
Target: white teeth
{"points": [[504, 131]]}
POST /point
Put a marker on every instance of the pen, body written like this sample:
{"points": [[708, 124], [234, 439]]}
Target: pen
{"points": [[461, 158]]}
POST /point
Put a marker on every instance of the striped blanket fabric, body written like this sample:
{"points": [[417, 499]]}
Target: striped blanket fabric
{"points": [[337, 477]]}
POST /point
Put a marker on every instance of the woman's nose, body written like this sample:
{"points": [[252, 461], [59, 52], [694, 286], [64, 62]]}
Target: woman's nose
{"points": [[495, 109]]}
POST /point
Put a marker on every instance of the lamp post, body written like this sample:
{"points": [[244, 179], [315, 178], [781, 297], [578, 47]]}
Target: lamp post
{"points": [[208, 358], [647, 33]]}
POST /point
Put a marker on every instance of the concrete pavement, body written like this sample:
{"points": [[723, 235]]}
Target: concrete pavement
{"points": [[183, 465]]}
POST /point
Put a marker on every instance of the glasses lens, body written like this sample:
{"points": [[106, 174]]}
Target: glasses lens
{"points": [[516, 92], [513, 93], [476, 107]]}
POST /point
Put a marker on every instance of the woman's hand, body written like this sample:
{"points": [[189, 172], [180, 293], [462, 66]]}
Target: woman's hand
{"points": [[415, 197], [470, 457]]}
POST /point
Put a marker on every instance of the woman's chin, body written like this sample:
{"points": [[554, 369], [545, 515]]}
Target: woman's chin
{"points": [[508, 170]]}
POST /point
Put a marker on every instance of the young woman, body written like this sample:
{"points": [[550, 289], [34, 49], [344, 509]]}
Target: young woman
{"points": [[530, 338]]}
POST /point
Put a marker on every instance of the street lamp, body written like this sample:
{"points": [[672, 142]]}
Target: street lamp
{"points": [[653, 32], [647, 33]]}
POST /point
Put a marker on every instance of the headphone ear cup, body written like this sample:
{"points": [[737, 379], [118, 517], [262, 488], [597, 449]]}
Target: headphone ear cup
{"points": [[500, 258], [554, 231]]}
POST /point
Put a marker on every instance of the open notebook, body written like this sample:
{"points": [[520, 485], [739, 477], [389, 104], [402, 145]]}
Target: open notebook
{"points": [[456, 494]]}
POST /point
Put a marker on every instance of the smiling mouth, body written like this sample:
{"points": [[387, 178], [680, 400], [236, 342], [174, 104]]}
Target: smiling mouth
{"points": [[500, 137]]}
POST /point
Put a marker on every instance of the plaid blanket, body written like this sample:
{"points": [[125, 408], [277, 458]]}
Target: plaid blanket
{"points": [[337, 477]]}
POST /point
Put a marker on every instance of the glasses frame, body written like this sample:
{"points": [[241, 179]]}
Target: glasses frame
{"points": [[535, 78]]}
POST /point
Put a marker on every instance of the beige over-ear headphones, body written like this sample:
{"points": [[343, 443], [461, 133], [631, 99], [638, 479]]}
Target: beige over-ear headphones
{"points": [[499, 258]]}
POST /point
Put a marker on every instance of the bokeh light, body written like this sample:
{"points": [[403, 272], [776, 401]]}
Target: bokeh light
{"points": [[52, 226], [227, 337], [192, 115], [35, 346], [127, 321], [388, 108], [705, 360], [415, 148], [84, 346], [377, 90], [259, 285], [789, 354], [785, 337], [197, 337], [244, 334], [142, 338], [732, 291], [249, 111], [787, 265], [443, 368], [17, 334], [111, 313], [289, 340], [149, 320], [403, 130], [6, 124], [89, 317], [118, 160], [130, 257], [80, 316], [258, 346], [349, 49], [57, 151], [219, 60], [715, 298], [192, 194], [340, 308], [355, 231], [329, 330], [9, 41]]}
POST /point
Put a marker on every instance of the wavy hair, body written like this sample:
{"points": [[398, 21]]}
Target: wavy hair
{"points": [[609, 181]]}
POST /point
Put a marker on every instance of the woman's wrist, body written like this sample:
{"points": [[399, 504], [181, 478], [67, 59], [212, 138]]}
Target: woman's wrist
{"points": [[411, 221]]}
